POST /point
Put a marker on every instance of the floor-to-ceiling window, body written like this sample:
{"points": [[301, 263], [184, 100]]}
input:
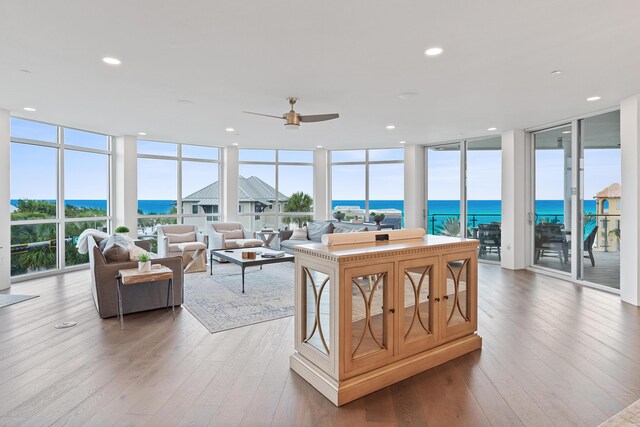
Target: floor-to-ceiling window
{"points": [[367, 182], [177, 184], [60, 185], [577, 199], [464, 192], [444, 189], [275, 188]]}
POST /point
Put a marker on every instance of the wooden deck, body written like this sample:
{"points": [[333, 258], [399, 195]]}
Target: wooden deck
{"points": [[554, 354], [606, 271]]}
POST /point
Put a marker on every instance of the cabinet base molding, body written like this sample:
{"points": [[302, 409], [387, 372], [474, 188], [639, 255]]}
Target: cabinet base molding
{"points": [[342, 392]]}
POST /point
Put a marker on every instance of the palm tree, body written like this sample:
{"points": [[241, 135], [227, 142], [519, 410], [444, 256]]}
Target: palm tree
{"points": [[450, 227], [298, 202]]}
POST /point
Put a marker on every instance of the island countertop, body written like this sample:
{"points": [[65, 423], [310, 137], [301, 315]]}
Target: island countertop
{"points": [[428, 243]]}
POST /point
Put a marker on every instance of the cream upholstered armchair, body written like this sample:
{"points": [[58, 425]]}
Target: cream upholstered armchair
{"points": [[230, 235], [171, 236]]}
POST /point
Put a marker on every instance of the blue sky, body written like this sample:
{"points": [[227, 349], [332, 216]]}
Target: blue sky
{"points": [[34, 175]]}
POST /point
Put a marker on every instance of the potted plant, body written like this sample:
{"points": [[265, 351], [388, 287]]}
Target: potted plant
{"points": [[122, 230], [339, 215], [377, 218], [144, 262]]}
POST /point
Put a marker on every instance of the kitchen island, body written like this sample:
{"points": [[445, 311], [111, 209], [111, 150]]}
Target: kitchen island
{"points": [[368, 315]]}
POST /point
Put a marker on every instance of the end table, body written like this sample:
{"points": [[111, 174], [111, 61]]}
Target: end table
{"points": [[132, 276]]}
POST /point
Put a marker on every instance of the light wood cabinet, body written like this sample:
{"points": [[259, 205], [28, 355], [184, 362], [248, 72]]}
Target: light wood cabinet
{"points": [[368, 316]]}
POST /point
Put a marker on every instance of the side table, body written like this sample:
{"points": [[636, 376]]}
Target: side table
{"points": [[132, 276], [267, 237]]}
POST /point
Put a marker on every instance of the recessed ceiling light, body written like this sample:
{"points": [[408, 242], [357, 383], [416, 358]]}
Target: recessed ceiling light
{"points": [[402, 142], [492, 128], [319, 146], [433, 51], [29, 109], [593, 98], [391, 127], [229, 129], [566, 131], [408, 95], [111, 61], [235, 144], [556, 72], [142, 133]]}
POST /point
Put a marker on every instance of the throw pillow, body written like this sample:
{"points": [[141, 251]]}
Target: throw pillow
{"points": [[299, 234], [342, 230], [182, 237], [116, 249], [232, 234], [317, 228], [134, 252]]}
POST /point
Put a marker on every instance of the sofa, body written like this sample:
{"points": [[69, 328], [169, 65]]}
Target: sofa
{"points": [[171, 236], [316, 229], [135, 298]]}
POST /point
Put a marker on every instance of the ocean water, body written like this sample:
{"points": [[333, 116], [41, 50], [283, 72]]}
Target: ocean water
{"points": [[482, 211]]}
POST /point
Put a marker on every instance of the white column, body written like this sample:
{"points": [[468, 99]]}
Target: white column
{"points": [[514, 228], [321, 202], [629, 220], [229, 187], [5, 196], [125, 192], [414, 180]]}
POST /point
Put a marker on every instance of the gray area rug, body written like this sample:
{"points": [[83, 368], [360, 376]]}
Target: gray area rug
{"points": [[218, 302], [9, 299]]}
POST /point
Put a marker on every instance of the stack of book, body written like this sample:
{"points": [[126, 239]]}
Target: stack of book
{"points": [[273, 254]]}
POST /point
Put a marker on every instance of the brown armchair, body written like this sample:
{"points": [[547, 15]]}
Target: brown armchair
{"points": [[135, 298]]}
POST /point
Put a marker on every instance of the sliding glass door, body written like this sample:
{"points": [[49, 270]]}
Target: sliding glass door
{"points": [[464, 192], [601, 208], [552, 198], [577, 205]]}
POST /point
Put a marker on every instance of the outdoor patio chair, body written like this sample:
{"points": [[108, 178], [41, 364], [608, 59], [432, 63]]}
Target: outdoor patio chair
{"points": [[550, 240], [490, 239], [588, 245]]}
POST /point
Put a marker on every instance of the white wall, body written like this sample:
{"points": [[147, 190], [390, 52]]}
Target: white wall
{"points": [[414, 182], [230, 184], [125, 192], [5, 195], [514, 200], [321, 202], [629, 220]]}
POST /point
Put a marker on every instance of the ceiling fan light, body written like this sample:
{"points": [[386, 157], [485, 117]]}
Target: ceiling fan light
{"points": [[292, 126]]}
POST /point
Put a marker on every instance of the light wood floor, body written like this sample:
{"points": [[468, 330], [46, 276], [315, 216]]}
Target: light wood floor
{"points": [[554, 354]]}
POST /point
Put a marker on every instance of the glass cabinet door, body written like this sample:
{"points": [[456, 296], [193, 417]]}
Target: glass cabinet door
{"points": [[369, 312], [416, 292], [457, 301]]}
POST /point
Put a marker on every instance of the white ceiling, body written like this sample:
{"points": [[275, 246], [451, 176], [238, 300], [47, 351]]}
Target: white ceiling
{"points": [[353, 57]]}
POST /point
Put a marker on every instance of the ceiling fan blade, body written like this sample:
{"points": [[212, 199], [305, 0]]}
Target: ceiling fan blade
{"points": [[318, 117], [266, 115]]}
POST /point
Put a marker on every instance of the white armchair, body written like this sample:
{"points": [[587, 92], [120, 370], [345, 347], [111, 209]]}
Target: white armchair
{"points": [[171, 236], [230, 235]]}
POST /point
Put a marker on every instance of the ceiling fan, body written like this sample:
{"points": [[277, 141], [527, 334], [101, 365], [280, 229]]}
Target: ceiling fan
{"points": [[294, 119]]}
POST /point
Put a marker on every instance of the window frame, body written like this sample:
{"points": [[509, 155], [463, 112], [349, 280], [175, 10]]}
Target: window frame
{"points": [[277, 214], [61, 221], [366, 162], [179, 216]]}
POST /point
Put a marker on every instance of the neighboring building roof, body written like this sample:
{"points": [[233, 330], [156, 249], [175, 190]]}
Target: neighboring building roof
{"points": [[611, 192], [251, 189]]}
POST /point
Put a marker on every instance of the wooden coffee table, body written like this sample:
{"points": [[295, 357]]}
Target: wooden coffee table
{"points": [[235, 256]]}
